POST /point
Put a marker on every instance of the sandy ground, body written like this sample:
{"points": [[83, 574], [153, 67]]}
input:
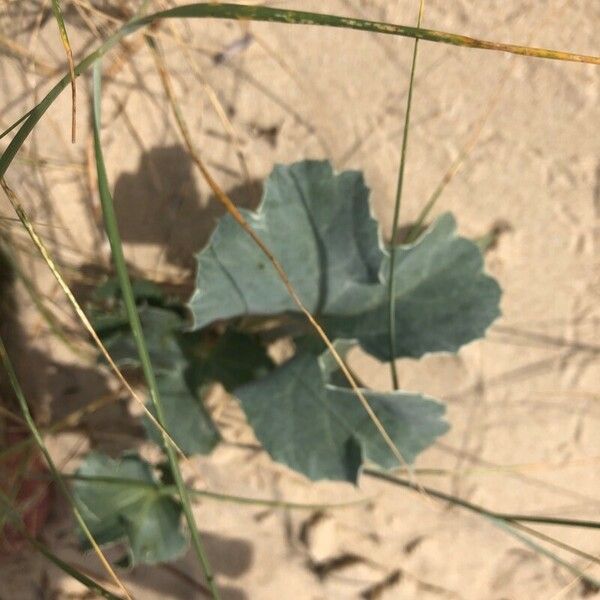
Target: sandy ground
{"points": [[523, 403]]}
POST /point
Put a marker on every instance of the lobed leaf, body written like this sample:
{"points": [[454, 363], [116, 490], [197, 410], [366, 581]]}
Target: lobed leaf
{"points": [[320, 227], [443, 299], [322, 430]]}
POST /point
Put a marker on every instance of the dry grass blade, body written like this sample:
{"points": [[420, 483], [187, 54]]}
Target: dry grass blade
{"points": [[299, 17], [64, 38], [262, 13]]}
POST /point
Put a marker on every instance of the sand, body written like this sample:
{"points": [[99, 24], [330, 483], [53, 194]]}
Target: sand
{"points": [[522, 403]]}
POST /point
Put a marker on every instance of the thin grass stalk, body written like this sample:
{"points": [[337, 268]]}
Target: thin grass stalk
{"points": [[505, 522], [513, 517], [417, 228], [396, 217], [171, 490], [377, 474], [592, 582], [550, 540], [14, 382], [114, 237]]}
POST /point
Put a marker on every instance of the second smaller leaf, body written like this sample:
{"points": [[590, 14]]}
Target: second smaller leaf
{"points": [[130, 508]]}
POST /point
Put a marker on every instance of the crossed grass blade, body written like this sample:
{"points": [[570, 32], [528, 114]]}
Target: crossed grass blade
{"points": [[114, 237], [511, 524]]}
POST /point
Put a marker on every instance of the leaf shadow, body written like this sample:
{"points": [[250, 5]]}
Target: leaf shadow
{"points": [[160, 204], [230, 558], [54, 389]]}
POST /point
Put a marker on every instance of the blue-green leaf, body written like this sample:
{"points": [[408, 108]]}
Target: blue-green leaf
{"points": [[319, 225], [320, 228], [324, 431], [184, 362], [443, 299], [161, 329]]}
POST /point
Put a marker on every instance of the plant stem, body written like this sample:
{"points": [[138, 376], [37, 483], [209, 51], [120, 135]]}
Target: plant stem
{"points": [[112, 231], [64, 37], [396, 218], [479, 509], [171, 490]]}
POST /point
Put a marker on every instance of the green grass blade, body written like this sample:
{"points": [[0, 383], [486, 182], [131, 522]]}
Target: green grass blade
{"points": [[114, 237], [263, 13], [298, 17], [92, 585], [396, 217], [12, 377], [584, 523], [15, 124]]}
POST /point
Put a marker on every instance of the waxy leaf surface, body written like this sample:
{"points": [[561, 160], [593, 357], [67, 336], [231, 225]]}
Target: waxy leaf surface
{"points": [[324, 431], [319, 226]]}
